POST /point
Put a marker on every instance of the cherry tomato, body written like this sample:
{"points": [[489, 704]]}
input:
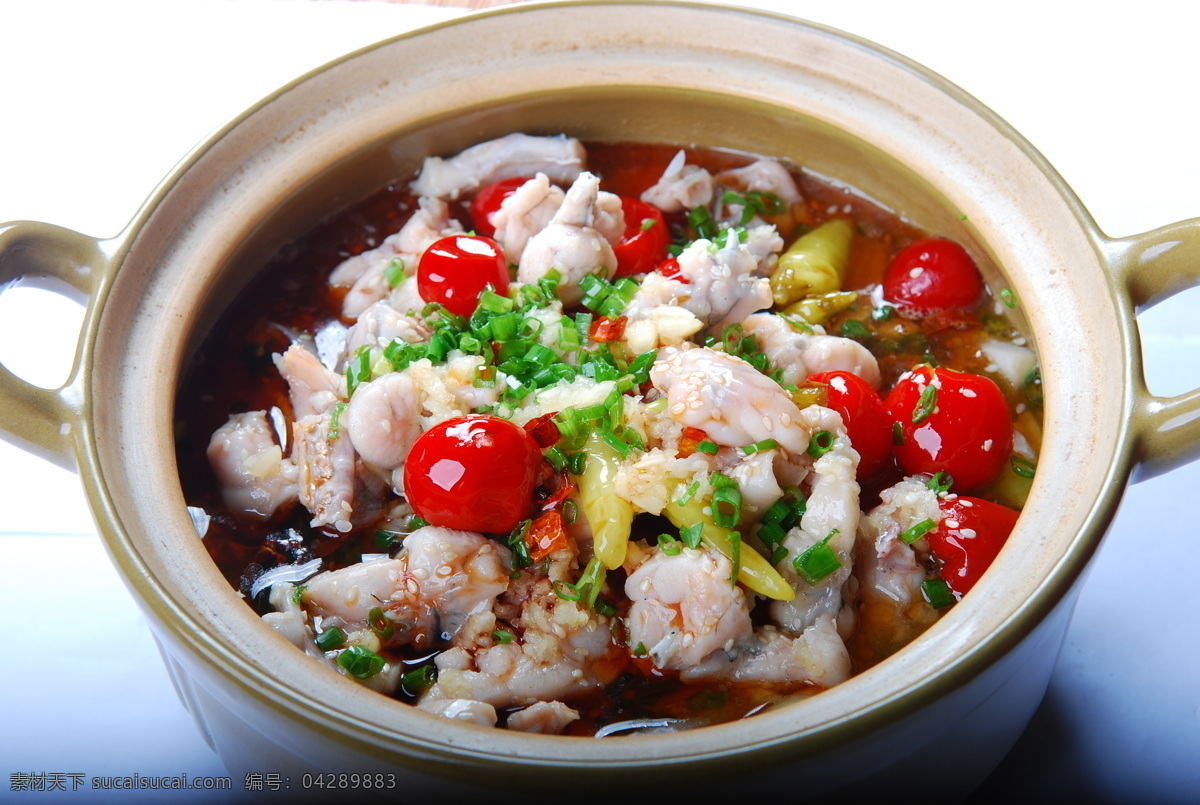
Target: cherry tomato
{"points": [[970, 535], [951, 422], [474, 473], [644, 244], [867, 421], [931, 275], [455, 270], [489, 199]]}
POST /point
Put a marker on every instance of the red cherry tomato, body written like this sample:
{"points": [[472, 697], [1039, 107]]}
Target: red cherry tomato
{"points": [[867, 421], [951, 422], [969, 536], [489, 199], [455, 270], [645, 242], [474, 473], [932, 275]]}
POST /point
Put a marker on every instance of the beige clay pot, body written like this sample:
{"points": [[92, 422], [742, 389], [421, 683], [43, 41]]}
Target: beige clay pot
{"points": [[658, 71]]}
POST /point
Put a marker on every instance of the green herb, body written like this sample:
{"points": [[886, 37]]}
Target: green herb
{"points": [[897, 434], [940, 482], [735, 551], [708, 447], [1023, 466], [1009, 298], [883, 313], [688, 494], [648, 224], [818, 561], [702, 223], [335, 419], [591, 581], [760, 447], [691, 535], [415, 522], [502, 636], [566, 590], [853, 328], [517, 544], [331, 639], [821, 443], [360, 662], [925, 405], [937, 593], [419, 679], [358, 369], [640, 650], [395, 273], [911, 535], [380, 623], [669, 545], [727, 506], [298, 593]]}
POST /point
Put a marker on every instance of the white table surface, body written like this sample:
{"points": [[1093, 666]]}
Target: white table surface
{"points": [[101, 99]]}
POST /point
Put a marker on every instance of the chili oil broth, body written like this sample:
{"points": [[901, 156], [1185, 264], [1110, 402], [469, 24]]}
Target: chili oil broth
{"points": [[291, 295]]}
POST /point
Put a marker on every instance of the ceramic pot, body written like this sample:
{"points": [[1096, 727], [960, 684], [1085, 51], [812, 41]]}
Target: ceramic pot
{"points": [[609, 71]]}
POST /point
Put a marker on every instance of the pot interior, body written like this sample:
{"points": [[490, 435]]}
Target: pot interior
{"points": [[829, 103]]}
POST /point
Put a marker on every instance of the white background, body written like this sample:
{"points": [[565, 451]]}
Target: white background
{"points": [[101, 99]]}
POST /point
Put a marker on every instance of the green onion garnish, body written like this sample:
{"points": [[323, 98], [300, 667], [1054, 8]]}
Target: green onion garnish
{"points": [[361, 662], [419, 679], [708, 447], [415, 522], [760, 447], [669, 545], [727, 506], [940, 482], [818, 561], [853, 328], [576, 463], [335, 420], [1023, 466], [897, 434], [688, 494], [937, 592], [735, 549], [380, 623], [331, 639], [591, 581], [820, 443], [691, 535], [566, 590], [385, 540], [502, 636], [640, 650], [358, 369], [911, 535], [925, 405], [298, 593], [648, 224], [1009, 298], [395, 273]]}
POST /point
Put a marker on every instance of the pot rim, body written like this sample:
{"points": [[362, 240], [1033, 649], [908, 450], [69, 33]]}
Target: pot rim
{"points": [[185, 628]]}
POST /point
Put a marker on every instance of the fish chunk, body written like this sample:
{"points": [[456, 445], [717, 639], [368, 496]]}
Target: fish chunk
{"points": [[560, 158]]}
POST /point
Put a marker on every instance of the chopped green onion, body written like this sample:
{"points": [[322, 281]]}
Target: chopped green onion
{"points": [[298, 593], [591, 581], [708, 447], [779, 555], [335, 420], [361, 662], [640, 650], [883, 313], [669, 545], [727, 506], [385, 540], [380, 623], [1009, 298], [691, 535], [911, 535], [853, 328], [771, 534], [925, 405], [688, 493], [331, 639], [735, 550], [518, 546], [502, 636], [566, 590], [937, 592], [818, 561], [419, 679], [492, 302], [940, 482], [648, 224], [820, 443], [605, 607], [776, 512], [576, 463], [395, 273], [358, 369], [570, 511], [1023, 466], [760, 447], [719, 480], [415, 522], [556, 458], [897, 434]]}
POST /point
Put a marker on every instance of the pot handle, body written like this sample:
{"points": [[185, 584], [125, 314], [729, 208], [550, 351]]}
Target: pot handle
{"points": [[1150, 268], [45, 421]]}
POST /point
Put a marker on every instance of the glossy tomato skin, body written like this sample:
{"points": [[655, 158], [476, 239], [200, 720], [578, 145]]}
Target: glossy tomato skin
{"points": [[643, 246], [455, 270], [932, 275], [968, 537], [489, 199], [867, 421], [474, 473], [964, 428]]}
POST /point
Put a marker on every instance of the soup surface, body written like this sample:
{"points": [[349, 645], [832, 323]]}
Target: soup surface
{"points": [[593, 438]]}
